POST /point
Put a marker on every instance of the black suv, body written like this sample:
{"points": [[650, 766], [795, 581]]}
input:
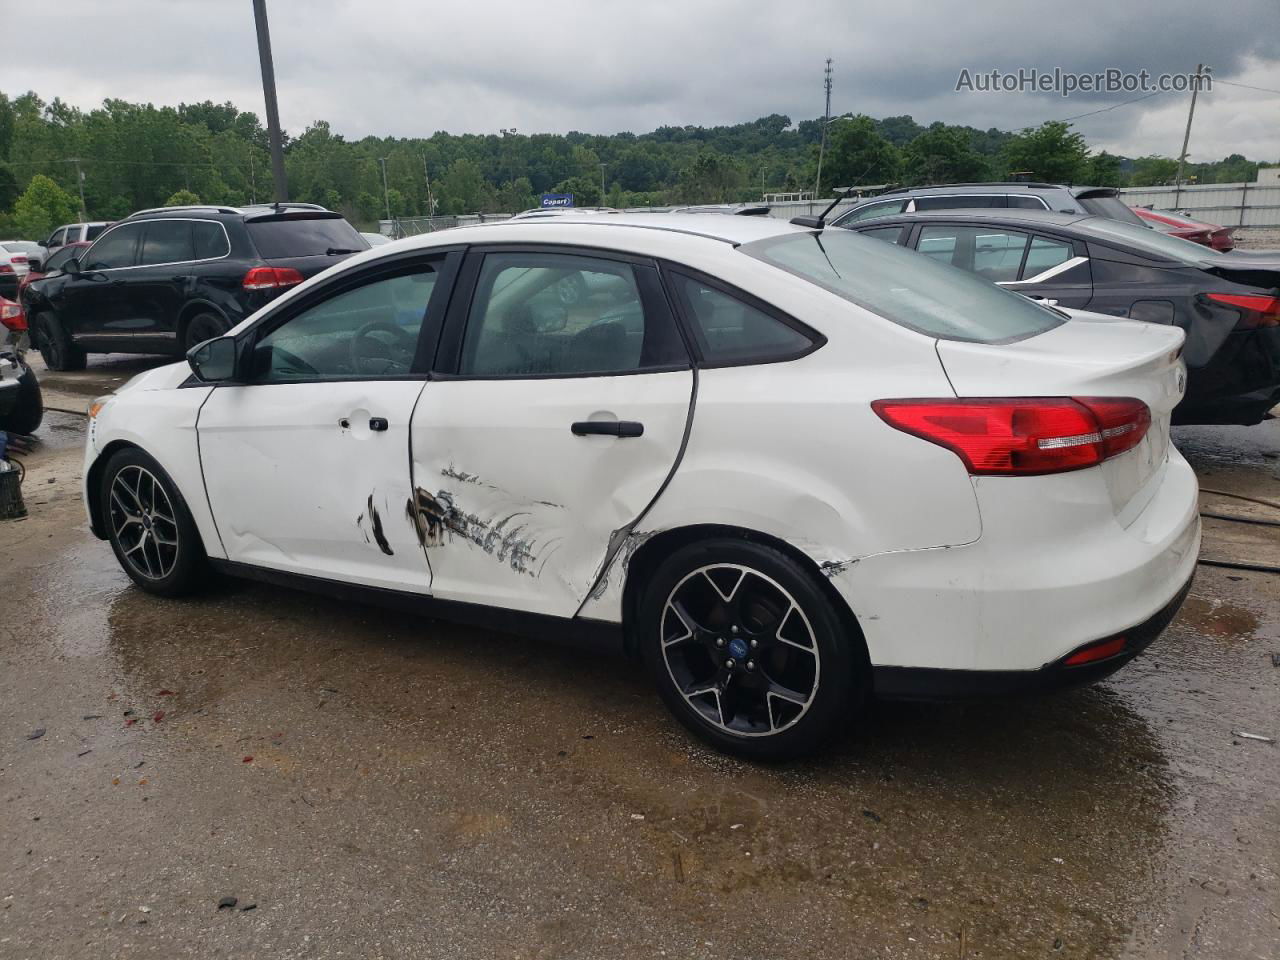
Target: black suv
{"points": [[163, 280]]}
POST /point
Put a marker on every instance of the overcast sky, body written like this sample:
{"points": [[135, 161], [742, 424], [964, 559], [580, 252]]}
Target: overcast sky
{"points": [[410, 67]]}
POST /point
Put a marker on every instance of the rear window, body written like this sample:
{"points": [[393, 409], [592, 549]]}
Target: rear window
{"points": [[906, 288], [277, 239], [1113, 208]]}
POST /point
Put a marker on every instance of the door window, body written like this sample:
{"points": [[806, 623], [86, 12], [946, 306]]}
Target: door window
{"points": [[732, 331], [209, 239], [958, 201], [166, 241], [1045, 254], [94, 230], [58, 238], [991, 252], [887, 234], [368, 332], [116, 248], [1027, 203], [886, 208], [548, 315]]}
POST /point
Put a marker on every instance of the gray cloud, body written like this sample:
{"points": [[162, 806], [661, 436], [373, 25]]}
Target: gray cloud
{"points": [[408, 68]]}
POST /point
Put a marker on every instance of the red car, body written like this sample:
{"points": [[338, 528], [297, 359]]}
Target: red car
{"points": [[1176, 225]]}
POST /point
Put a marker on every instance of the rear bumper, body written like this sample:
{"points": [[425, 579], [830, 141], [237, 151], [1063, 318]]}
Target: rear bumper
{"points": [[923, 683], [1239, 384]]}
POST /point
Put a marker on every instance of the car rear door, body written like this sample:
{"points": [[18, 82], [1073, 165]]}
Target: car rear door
{"points": [[1055, 268], [558, 411], [306, 459]]}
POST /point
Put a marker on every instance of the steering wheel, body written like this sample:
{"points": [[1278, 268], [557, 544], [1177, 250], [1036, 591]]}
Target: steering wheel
{"points": [[372, 355]]}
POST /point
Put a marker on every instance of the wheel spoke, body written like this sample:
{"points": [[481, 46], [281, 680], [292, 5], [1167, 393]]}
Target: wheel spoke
{"points": [[155, 550], [812, 651]]}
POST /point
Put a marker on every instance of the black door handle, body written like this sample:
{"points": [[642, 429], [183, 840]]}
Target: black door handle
{"points": [[378, 423], [608, 428]]}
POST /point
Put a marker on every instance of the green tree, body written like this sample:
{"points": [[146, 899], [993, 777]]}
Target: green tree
{"points": [[1049, 152], [857, 154], [1105, 170], [182, 198], [943, 154], [41, 207], [1153, 170]]}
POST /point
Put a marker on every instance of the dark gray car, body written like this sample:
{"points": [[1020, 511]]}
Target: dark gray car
{"points": [[1018, 195], [1228, 303]]}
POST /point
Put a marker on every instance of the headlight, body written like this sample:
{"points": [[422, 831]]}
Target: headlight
{"points": [[97, 406]]}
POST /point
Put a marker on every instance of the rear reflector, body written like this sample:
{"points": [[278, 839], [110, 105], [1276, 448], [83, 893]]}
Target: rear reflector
{"points": [[1101, 650], [1023, 436], [1255, 310], [271, 278], [11, 315]]}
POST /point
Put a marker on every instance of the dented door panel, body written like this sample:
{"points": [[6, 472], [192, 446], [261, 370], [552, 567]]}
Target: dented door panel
{"points": [[516, 510], [303, 477]]}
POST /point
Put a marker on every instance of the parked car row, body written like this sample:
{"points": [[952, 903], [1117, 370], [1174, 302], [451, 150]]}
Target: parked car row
{"points": [[1197, 231], [21, 404]]}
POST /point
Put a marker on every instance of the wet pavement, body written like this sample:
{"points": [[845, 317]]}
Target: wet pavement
{"points": [[376, 785]]}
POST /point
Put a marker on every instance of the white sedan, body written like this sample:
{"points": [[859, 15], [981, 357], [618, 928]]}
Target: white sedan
{"points": [[789, 469]]}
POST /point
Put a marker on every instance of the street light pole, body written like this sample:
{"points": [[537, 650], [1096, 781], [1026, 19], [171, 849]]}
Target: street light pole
{"points": [[269, 92]]}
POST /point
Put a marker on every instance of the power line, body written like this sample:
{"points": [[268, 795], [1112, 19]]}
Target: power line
{"points": [[1232, 83], [1114, 106]]}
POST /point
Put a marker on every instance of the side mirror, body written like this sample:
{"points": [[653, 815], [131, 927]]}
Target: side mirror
{"points": [[71, 266], [213, 361]]}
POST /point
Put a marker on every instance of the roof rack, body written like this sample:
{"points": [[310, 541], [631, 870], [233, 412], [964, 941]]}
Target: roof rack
{"points": [[981, 183], [218, 208]]}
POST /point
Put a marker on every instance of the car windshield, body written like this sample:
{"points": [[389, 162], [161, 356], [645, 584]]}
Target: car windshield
{"points": [[304, 237], [905, 287], [1111, 207], [1153, 242]]}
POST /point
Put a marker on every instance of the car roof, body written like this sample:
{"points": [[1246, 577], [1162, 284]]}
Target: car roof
{"points": [[216, 210], [1030, 218], [725, 228]]}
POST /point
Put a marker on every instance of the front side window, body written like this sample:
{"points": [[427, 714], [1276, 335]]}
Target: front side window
{"points": [[904, 288], [166, 241], [115, 248], [550, 314], [367, 332], [730, 330], [59, 238], [885, 208], [59, 257]]}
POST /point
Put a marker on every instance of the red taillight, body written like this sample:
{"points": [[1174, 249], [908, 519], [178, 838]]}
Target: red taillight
{"points": [[271, 278], [1023, 436], [1256, 310], [5, 268], [18, 258], [1100, 650], [11, 315]]}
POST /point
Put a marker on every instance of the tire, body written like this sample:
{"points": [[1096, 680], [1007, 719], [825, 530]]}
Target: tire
{"points": [[766, 644], [202, 327], [150, 528], [28, 408], [55, 344]]}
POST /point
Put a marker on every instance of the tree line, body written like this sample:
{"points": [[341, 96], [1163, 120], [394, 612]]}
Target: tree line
{"points": [[126, 156]]}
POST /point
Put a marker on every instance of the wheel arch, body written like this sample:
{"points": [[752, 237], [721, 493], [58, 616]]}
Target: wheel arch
{"points": [[644, 562], [193, 309], [93, 481]]}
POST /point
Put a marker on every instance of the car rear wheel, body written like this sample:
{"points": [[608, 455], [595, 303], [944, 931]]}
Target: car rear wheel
{"points": [[55, 344], [28, 407], [202, 327], [748, 651], [149, 526]]}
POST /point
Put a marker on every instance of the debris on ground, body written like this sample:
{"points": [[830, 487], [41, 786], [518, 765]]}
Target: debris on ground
{"points": [[36, 734], [246, 909], [1275, 659], [1252, 736], [159, 715], [871, 815], [227, 903]]}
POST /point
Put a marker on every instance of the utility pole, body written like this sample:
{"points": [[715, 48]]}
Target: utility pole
{"points": [[602, 166], [1186, 137], [386, 194], [431, 201], [269, 92], [84, 210], [826, 122], [253, 178]]}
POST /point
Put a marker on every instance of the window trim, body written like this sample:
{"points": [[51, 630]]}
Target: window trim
{"points": [[137, 251], [402, 262], [693, 332], [137, 246], [653, 300]]}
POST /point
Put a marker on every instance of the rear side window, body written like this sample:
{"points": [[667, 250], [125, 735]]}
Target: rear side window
{"points": [[1027, 203], [285, 237], [958, 201], [886, 208], [904, 288], [209, 240], [93, 231], [1113, 208], [1045, 254], [887, 234], [166, 241], [729, 330]]}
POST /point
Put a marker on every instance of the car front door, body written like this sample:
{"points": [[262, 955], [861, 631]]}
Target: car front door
{"points": [[306, 458], [93, 303], [1055, 269], [557, 413]]}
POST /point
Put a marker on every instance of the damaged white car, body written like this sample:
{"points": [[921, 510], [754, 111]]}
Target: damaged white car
{"points": [[789, 468]]}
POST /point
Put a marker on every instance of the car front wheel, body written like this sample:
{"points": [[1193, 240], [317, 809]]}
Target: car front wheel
{"points": [[55, 344], [748, 651], [150, 528]]}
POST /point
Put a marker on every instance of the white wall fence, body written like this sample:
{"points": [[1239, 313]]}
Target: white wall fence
{"points": [[1226, 204]]}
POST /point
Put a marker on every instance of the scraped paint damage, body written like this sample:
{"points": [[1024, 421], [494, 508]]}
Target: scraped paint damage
{"points": [[618, 558], [437, 519], [375, 526]]}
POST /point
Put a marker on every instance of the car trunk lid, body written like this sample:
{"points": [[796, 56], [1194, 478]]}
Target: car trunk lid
{"points": [[1086, 357]]}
